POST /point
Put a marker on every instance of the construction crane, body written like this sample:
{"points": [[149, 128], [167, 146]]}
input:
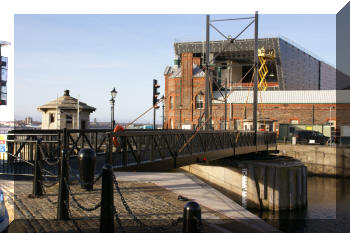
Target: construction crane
{"points": [[263, 57]]}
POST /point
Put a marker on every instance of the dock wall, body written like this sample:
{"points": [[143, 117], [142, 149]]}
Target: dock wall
{"points": [[320, 160], [260, 185]]}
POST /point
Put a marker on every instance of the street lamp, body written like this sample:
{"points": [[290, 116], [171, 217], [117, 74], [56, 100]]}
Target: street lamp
{"points": [[112, 101]]}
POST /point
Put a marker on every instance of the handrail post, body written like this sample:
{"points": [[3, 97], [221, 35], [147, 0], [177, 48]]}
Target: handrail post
{"points": [[63, 195], [124, 152], [110, 149], [37, 188], [107, 202]]}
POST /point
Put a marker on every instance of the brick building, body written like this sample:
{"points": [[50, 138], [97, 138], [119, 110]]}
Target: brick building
{"points": [[300, 88]]}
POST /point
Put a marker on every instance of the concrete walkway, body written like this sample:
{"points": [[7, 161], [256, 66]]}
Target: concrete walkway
{"points": [[191, 187]]}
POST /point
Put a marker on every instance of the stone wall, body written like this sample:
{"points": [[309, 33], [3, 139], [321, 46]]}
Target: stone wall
{"points": [[320, 160]]}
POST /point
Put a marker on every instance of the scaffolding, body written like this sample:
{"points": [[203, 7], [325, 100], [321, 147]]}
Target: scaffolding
{"points": [[263, 71]]}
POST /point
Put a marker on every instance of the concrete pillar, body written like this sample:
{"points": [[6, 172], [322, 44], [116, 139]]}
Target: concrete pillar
{"points": [[304, 185], [252, 196], [284, 189], [292, 188], [299, 188], [277, 192], [271, 171]]}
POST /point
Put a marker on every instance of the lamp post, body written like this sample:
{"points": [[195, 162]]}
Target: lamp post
{"points": [[112, 101]]}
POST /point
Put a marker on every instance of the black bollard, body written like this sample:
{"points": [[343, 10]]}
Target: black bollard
{"points": [[37, 182], [87, 162], [192, 218], [63, 195], [107, 202]]}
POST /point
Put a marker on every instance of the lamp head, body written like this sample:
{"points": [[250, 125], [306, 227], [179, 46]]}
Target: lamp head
{"points": [[113, 93]]}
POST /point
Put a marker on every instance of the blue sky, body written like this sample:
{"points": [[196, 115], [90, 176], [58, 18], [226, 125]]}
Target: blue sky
{"points": [[90, 54]]}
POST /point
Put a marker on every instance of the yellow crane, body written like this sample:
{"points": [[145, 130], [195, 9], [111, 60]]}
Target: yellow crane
{"points": [[263, 57]]}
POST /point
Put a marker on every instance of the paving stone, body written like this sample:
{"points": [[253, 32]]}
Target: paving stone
{"points": [[153, 205]]}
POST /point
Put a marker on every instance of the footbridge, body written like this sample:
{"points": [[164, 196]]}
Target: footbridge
{"points": [[135, 150]]}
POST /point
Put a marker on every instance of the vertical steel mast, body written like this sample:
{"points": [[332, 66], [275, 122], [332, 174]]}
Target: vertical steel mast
{"points": [[207, 97], [256, 63]]}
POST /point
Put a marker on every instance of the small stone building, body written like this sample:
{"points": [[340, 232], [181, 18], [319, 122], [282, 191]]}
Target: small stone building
{"points": [[63, 113]]}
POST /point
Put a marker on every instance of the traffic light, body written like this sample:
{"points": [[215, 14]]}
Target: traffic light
{"points": [[155, 93]]}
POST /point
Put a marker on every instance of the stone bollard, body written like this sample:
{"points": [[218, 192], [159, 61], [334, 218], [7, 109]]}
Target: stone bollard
{"points": [[87, 162], [37, 182], [107, 203], [191, 218]]}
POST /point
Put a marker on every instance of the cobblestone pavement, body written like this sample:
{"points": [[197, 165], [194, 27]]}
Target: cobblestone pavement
{"points": [[153, 205]]}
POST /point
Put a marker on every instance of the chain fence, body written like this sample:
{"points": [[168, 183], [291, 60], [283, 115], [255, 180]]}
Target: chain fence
{"points": [[135, 218], [44, 183], [98, 205]]}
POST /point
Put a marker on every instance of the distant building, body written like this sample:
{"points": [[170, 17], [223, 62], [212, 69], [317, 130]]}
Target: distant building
{"points": [[63, 113], [3, 75], [28, 120]]}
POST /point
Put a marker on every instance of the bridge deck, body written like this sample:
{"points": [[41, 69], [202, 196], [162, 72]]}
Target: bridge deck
{"points": [[141, 150]]}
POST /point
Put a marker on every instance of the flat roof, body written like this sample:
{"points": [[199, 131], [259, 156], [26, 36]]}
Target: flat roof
{"points": [[287, 97]]}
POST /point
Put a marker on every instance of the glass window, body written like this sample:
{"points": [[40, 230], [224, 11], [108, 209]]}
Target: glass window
{"points": [[199, 101], [171, 124], [68, 119], [3, 89], [4, 61], [3, 96], [294, 122], [4, 74], [171, 102], [237, 124], [52, 118]]}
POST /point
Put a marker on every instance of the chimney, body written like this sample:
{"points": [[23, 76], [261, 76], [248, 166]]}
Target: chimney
{"points": [[66, 93]]}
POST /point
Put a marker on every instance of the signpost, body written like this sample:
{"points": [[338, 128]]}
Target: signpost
{"points": [[3, 155]]}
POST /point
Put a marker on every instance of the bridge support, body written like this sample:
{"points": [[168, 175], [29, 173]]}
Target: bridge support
{"points": [[275, 184]]}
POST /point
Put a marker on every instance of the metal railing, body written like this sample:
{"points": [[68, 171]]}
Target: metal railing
{"points": [[136, 147]]}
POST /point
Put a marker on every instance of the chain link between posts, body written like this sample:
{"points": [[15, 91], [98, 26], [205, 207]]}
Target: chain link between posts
{"points": [[71, 217], [135, 218], [98, 205], [45, 159]]}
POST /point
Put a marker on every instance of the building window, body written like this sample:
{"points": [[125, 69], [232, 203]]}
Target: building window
{"points": [[293, 121], [222, 125], [171, 102], [237, 124], [52, 118], [171, 124], [83, 124], [69, 121], [199, 101]]}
